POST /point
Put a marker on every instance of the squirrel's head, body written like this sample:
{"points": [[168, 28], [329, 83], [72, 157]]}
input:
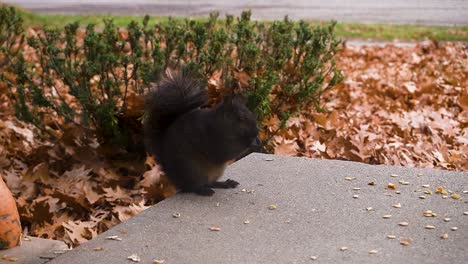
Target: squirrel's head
{"points": [[238, 121]]}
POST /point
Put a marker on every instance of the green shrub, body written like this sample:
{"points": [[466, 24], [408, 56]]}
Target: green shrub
{"points": [[87, 77], [11, 37]]}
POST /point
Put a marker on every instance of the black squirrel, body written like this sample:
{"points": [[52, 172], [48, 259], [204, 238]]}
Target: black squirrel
{"points": [[193, 144]]}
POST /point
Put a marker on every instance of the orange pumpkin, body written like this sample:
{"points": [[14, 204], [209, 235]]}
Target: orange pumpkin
{"points": [[10, 226]]}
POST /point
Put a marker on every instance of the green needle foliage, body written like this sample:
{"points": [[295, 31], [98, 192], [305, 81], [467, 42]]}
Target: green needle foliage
{"points": [[11, 37], [282, 67]]}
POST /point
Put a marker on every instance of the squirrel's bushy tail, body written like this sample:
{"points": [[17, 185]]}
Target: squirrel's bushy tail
{"points": [[173, 96]]}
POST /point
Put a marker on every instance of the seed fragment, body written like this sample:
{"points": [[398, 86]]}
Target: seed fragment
{"points": [[272, 207], [246, 222], [98, 249], [425, 185], [215, 228], [447, 219], [391, 186], [429, 227], [176, 215], [369, 209], [372, 183], [391, 237], [444, 196], [398, 205], [117, 238], [444, 236], [429, 213], [454, 228], [406, 241], [344, 248], [134, 258], [420, 174], [386, 216], [455, 196], [313, 257], [4, 256], [402, 182], [441, 190], [397, 192], [403, 224], [13, 259]]}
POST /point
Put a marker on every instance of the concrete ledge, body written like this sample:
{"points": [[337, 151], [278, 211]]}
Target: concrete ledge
{"points": [[33, 250], [315, 215]]}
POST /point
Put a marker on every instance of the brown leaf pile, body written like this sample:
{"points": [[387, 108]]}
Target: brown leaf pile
{"points": [[398, 105], [67, 191]]}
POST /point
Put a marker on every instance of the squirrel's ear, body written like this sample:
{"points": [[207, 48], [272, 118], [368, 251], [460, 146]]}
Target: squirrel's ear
{"points": [[233, 101], [239, 98]]}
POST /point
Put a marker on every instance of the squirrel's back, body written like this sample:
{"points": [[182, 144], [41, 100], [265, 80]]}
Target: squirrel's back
{"points": [[172, 97]]}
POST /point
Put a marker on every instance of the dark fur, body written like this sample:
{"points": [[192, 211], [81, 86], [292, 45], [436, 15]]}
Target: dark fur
{"points": [[193, 144]]}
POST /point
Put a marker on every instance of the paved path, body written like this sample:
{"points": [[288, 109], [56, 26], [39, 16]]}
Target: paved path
{"points": [[33, 250], [316, 215], [432, 12]]}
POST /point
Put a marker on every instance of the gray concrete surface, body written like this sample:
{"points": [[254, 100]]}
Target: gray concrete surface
{"points": [[33, 250], [432, 12], [316, 215]]}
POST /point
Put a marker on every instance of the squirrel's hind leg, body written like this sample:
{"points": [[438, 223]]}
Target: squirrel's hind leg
{"points": [[201, 190], [227, 184]]}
